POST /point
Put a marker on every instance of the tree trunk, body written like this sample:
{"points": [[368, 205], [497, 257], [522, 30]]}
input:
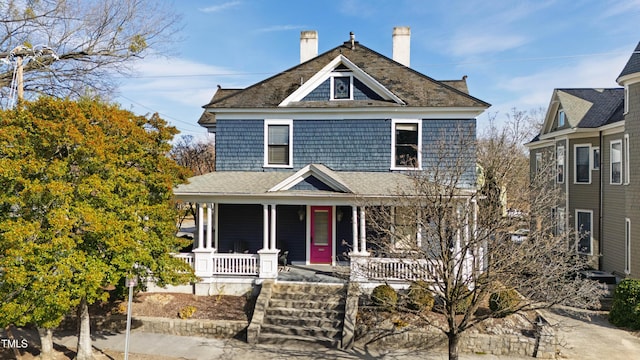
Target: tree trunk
{"points": [[84, 337], [46, 343], [453, 345]]}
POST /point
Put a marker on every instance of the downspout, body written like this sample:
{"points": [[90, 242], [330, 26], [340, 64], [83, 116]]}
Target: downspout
{"points": [[600, 207]]}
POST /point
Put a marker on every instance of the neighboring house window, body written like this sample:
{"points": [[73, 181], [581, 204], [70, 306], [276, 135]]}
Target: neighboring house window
{"points": [[596, 158], [561, 118], [582, 164], [538, 162], [405, 228], [616, 162], [406, 144], [627, 245], [558, 219], [278, 151], [584, 221], [625, 159], [626, 99], [342, 88], [560, 163]]}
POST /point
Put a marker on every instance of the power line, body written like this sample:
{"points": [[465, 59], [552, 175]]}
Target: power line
{"points": [[163, 114]]}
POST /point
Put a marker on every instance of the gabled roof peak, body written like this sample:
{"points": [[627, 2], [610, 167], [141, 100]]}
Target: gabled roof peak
{"points": [[632, 66]]}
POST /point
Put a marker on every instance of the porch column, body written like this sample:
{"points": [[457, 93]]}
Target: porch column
{"points": [[265, 226], [200, 226], [354, 228], [268, 254], [209, 225], [363, 234], [215, 225], [272, 229]]}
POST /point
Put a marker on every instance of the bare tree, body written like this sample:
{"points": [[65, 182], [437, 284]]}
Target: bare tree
{"points": [[197, 155], [435, 225], [92, 41]]}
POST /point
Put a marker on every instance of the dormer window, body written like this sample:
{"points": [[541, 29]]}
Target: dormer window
{"points": [[341, 86], [561, 118]]}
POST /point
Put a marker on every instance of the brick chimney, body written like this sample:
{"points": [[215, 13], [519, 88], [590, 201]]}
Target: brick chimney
{"points": [[402, 45], [308, 45]]}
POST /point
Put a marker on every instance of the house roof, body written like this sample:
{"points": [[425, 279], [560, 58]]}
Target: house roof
{"points": [[633, 65], [596, 107], [282, 183], [412, 87]]}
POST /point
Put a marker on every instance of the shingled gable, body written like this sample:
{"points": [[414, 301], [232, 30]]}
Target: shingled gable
{"points": [[411, 87]]}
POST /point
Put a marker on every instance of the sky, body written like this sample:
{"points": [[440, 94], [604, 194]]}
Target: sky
{"points": [[514, 53]]}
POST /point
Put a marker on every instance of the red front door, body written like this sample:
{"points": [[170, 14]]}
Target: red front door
{"points": [[321, 235]]}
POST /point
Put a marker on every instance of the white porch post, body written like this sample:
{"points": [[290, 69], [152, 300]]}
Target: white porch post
{"points": [[363, 233], [202, 254], [209, 225], [354, 229], [268, 254]]}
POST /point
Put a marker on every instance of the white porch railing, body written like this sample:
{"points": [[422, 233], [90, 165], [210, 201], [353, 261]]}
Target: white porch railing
{"points": [[186, 257], [235, 264], [392, 269]]}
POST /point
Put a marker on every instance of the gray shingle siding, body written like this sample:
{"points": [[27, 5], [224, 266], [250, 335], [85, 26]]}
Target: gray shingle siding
{"points": [[360, 92], [450, 144], [321, 93]]}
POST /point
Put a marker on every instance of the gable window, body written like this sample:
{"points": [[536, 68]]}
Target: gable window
{"points": [[406, 139], [627, 245], [582, 163], [625, 159], [596, 158], [278, 151], [560, 164], [342, 86], [561, 118], [538, 162], [616, 162], [584, 220]]}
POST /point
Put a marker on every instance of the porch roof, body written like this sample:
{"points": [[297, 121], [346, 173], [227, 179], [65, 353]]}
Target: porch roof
{"points": [[281, 184]]}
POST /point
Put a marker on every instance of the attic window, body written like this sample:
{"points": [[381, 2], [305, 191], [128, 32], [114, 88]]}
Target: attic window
{"points": [[341, 87], [561, 118]]}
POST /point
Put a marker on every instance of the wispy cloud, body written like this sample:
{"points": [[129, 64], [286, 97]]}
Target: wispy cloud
{"points": [[220, 7], [621, 8], [465, 44], [276, 28]]}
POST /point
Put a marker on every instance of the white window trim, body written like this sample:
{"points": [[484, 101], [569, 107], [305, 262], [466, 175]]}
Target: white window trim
{"points": [[393, 143], [575, 163], [611, 143], [593, 158], [627, 246], [590, 212], [561, 114], [626, 174], [564, 164], [341, 74], [626, 99], [267, 123]]}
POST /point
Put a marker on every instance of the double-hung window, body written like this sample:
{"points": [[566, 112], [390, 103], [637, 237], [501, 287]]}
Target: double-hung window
{"points": [[278, 149], [584, 223], [625, 159], [406, 138], [596, 158], [538, 162], [616, 162], [582, 154], [560, 164]]}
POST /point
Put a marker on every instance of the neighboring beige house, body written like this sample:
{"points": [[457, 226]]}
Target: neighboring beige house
{"points": [[593, 135]]}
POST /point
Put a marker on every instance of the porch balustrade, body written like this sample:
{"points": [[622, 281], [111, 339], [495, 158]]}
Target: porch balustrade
{"points": [[235, 264], [391, 269]]}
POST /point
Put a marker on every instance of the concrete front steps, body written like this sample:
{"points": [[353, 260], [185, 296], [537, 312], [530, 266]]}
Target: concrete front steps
{"points": [[310, 312]]}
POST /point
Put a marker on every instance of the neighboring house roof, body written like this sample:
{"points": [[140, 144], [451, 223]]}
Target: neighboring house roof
{"points": [[278, 183], [598, 107], [633, 65], [411, 87]]}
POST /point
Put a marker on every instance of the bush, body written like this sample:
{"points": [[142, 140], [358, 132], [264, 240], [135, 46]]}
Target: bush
{"points": [[625, 310], [187, 312], [385, 295], [420, 297], [503, 302], [462, 297]]}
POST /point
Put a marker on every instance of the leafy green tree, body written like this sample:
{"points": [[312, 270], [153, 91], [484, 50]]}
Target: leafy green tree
{"points": [[86, 202]]}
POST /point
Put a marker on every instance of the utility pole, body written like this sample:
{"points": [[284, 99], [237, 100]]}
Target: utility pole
{"points": [[20, 55]]}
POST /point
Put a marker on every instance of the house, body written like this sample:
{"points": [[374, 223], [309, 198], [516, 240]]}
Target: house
{"points": [[591, 136], [298, 155]]}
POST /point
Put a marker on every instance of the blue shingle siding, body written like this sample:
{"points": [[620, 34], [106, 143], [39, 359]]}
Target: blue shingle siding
{"points": [[450, 144], [239, 228], [311, 183], [321, 93], [291, 233], [239, 145], [362, 92], [343, 145]]}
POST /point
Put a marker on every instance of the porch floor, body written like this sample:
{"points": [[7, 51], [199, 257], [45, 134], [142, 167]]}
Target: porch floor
{"points": [[314, 274]]}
